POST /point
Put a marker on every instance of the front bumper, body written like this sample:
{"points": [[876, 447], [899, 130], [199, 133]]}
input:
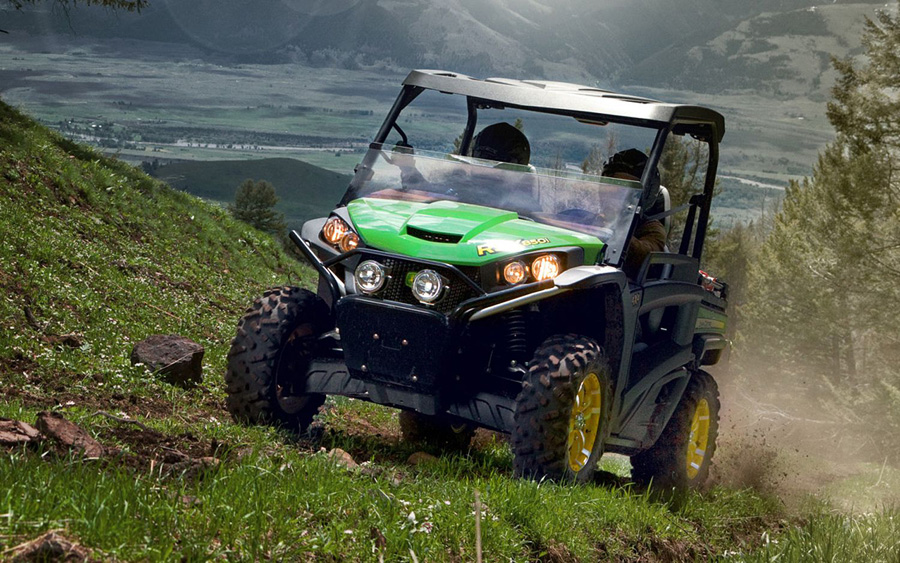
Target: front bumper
{"points": [[394, 343]]}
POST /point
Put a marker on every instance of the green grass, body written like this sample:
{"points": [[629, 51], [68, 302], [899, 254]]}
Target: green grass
{"points": [[91, 246], [291, 505], [867, 538]]}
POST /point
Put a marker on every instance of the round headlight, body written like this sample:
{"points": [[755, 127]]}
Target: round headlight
{"points": [[515, 272], [349, 242], [545, 267], [370, 276], [334, 230], [427, 286]]}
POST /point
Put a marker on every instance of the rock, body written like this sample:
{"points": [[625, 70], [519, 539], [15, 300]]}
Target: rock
{"points": [[17, 433], [68, 434], [50, 547], [341, 457], [419, 458], [176, 359]]}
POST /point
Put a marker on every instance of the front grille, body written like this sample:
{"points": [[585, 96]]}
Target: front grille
{"points": [[396, 289], [433, 237]]}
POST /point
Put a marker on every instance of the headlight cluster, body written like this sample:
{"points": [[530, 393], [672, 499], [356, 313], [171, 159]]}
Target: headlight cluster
{"points": [[544, 267], [338, 233], [428, 286]]}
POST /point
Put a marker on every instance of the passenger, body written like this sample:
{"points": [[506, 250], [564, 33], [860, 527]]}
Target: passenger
{"points": [[649, 235]]}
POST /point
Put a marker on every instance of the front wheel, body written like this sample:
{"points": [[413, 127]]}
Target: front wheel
{"points": [[269, 356], [562, 413], [681, 456]]}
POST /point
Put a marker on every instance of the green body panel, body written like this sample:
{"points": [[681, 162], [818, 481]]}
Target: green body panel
{"points": [[487, 233], [710, 320]]}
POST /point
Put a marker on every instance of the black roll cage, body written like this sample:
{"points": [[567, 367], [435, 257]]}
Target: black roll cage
{"points": [[588, 104]]}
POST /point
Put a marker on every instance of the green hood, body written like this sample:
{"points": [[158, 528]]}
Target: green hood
{"points": [[475, 235]]}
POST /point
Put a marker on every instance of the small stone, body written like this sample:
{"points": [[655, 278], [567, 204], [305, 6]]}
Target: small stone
{"points": [[341, 457], [68, 435], [17, 433], [419, 458], [175, 359]]}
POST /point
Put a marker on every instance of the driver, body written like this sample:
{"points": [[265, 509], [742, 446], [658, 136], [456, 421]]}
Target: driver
{"points": [[649, 235], [502, 142]]}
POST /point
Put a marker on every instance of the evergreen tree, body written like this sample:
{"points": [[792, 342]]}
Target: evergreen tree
{"points": [[824, 299], [254, 203]]}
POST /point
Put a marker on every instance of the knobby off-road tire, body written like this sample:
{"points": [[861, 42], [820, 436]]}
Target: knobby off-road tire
{"points": [[268, 359], [562, 413], [435, 430], [681, 456]]}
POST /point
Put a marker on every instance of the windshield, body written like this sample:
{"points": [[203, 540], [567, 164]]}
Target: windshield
{"points": [[602, 207]]}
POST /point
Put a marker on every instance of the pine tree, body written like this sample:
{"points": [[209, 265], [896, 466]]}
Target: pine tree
{"points": [[254, 203], [824, 301]]}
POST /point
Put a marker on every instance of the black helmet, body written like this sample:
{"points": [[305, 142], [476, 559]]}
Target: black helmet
{"points": [[502, 142], [632, 162]]}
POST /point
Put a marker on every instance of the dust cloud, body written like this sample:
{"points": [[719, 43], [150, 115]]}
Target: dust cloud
{"points": [[779, 437]]}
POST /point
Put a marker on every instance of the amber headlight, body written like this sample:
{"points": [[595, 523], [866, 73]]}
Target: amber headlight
{"points": [[545, 267], [515, 272], [334, 230], [349, 242]]}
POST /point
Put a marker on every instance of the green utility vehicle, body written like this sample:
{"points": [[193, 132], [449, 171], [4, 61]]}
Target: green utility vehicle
{"points": [[470, 292]]}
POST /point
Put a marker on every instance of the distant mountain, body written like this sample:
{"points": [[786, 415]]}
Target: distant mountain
{"points": [[305, 191], [691, 44], [786, 53]]}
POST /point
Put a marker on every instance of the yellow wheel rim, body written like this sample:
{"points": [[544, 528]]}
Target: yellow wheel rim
{"points": [[584, 422], [699, 439]]}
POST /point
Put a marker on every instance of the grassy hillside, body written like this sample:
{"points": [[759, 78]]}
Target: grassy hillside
{"points": [[304, 191], [91, 247]]}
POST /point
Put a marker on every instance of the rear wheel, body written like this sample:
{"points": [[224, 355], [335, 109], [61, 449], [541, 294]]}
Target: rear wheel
{"points": [[435, 430], [681, 456], [562, 412], [268, 359]]}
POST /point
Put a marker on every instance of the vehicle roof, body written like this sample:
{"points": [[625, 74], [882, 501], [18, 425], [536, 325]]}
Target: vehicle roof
{"points": [[584, 102]]}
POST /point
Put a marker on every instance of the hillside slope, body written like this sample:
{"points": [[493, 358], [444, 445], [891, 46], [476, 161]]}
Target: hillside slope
{"points": [[92, 246], [304, 191]]}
